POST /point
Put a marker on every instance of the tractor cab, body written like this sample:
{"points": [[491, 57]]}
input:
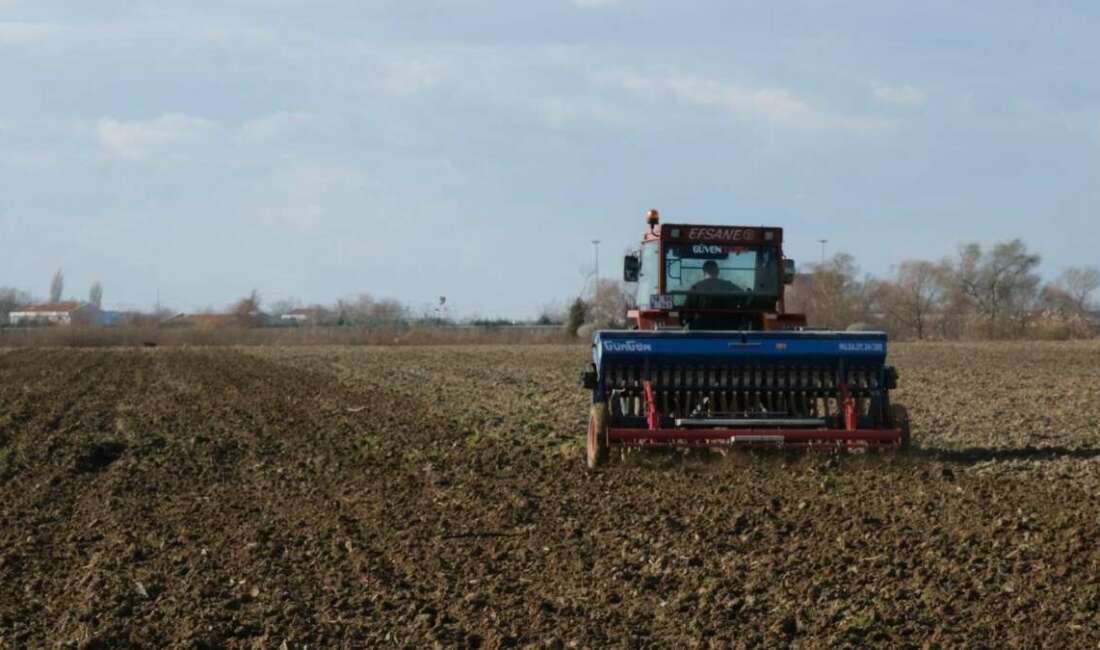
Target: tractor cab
{"points": [[710, 278]]}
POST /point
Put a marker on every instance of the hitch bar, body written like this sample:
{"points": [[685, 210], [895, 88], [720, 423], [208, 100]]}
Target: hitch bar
{"points": [[750, 423]]}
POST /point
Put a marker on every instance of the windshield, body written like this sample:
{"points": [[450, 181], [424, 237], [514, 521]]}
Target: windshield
{"points": [[720, 272]]}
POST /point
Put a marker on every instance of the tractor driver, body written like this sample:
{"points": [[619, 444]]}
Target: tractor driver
{"points": [[711, 283]]}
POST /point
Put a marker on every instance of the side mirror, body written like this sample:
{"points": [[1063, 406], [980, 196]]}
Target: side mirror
{"points": [[631, 268], [789, 271]]}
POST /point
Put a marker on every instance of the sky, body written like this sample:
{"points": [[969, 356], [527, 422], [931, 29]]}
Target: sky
{"points": [[317, 149]]}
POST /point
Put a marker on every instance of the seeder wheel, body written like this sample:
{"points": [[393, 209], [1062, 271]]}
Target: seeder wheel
{"points": [[899, 417], [597, 436]]}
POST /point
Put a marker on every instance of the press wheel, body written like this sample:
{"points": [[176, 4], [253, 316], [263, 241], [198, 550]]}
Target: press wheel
{"points": [[899, 417]]}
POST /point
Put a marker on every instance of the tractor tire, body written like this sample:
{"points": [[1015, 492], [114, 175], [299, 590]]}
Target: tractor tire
{"points": [[899, 417], [597, 436]]}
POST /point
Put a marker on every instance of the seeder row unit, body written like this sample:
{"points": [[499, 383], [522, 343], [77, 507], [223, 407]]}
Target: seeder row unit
{"points": [[741, 388]]}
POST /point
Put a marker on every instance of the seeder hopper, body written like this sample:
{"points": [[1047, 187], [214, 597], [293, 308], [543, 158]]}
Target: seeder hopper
{"points": [[714, 360]]}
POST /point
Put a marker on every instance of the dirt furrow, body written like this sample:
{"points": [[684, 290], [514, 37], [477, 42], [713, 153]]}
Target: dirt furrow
{"points": [[427, 497]]}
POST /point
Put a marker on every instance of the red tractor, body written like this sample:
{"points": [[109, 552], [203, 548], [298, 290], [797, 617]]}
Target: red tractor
{"points": [[713, 359]]}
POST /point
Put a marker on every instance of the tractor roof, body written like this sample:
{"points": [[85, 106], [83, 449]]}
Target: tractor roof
{"points": [[698, 233]]}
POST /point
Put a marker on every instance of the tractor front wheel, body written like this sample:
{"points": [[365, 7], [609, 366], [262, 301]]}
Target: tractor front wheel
{"points": [[899, 416], [597, 436]]}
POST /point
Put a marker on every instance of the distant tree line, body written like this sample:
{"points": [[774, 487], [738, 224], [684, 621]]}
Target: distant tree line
{"points": [[978, 293], [362, 310], [994, 293]]}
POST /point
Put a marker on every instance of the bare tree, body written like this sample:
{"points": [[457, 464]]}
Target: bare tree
{"points": [[608, 309], [1079, 283], [578, 313], [246, 311], [1001, 284], [11, 300], [915, 295], [955, 308], [831, 295], [354, 311], [95, 295], [552, 313], [57, 286], [1054, 297], [366, 311], [387, 312], [284, 307]]}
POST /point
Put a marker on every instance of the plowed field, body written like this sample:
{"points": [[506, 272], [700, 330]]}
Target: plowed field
{"points": [[420, 497]]}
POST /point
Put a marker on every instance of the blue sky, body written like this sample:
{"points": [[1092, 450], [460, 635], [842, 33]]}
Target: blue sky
{"points": [[315, 149]]}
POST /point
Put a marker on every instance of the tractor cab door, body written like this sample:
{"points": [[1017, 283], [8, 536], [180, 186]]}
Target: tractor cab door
{"points": [[648, 276]]}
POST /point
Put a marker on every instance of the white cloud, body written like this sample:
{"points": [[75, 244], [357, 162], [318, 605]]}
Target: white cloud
{"points": [[172, 135], [498, 78], [563, 111], [775, 106], [16, 32], [404, 77], [302, 195], [140, 139], [501, 78], [270, 127], [904, 95], [299, 217]]}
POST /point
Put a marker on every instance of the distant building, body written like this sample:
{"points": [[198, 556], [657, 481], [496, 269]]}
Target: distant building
{"points": [[52, 313], [303, 316]]}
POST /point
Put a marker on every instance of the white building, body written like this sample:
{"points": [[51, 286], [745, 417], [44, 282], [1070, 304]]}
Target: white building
{"points": [[56, 313], [305, 316]]}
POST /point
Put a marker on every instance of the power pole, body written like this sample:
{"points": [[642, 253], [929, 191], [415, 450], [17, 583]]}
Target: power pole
{"points": [[596, 282], [823, 242], [596, 285]]}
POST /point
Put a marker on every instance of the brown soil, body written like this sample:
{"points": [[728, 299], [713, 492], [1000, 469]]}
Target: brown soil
{"points": [[413, 497]]}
